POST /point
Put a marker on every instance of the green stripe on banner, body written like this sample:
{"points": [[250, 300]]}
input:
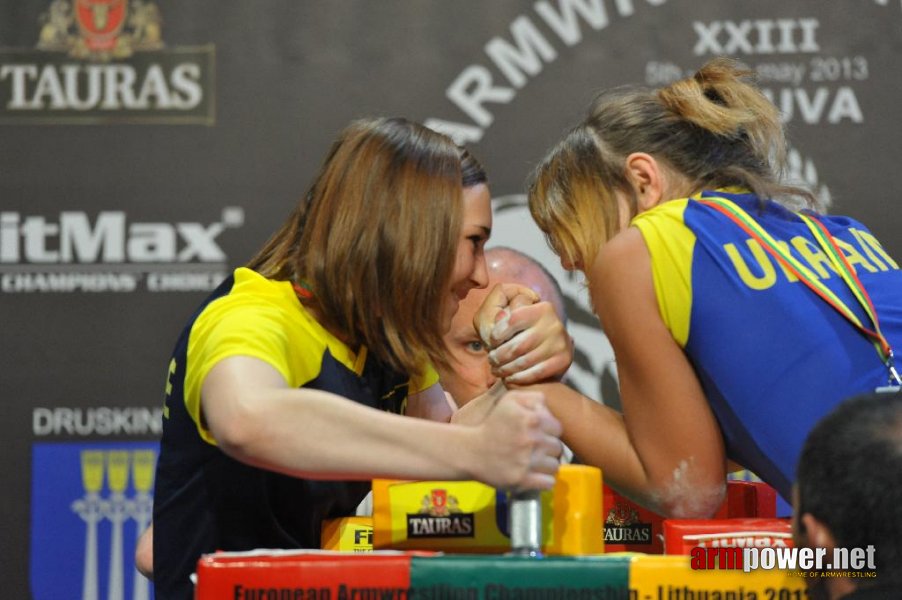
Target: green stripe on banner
{"points": [[493, 577]]}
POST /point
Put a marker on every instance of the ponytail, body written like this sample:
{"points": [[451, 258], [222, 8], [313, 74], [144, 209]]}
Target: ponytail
{"points": [[714, 130], [722, 99]]}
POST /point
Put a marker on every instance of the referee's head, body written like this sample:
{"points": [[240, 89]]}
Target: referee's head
{"points": [[849, 483]]}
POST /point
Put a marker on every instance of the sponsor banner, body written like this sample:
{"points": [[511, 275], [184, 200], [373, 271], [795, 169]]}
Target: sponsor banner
{"points": [[317, 576], [108, 252], [682, 535], [517, 578], [629, 527], [104, 62], [96, 422], [408, 576], [672, 578], [304, 576], [89, 503], [447, 515], [468, 516], [348, 534]]}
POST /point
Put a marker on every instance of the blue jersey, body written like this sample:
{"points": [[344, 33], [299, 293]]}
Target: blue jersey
{"points": [[772, 357]]}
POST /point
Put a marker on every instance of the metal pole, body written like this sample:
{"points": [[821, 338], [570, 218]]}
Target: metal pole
{"points": [[526, 523]]}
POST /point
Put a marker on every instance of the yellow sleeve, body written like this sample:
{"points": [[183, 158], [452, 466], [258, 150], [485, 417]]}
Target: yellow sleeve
{"points": [[256, 324], [427, 379], [670, 244]]}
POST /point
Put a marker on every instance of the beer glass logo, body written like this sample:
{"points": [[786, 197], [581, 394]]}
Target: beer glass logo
{"points": [[90, 502]]}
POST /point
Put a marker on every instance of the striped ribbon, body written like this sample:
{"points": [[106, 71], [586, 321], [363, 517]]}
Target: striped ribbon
{"points": [[828, 244]]}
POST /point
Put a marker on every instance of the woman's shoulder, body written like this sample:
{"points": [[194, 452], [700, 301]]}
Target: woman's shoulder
{"points": [[250, 282], [255, 299], [617, 261]]}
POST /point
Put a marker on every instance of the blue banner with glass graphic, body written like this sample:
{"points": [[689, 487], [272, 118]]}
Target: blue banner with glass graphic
{"points": [[89, 503]]}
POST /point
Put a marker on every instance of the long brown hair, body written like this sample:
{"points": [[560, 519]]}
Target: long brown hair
{"points": [[715, 129], [375, 238]]}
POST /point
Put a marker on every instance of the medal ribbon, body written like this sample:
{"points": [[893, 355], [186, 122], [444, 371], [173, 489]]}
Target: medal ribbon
{"points": [[303, 290], [828, 244]]}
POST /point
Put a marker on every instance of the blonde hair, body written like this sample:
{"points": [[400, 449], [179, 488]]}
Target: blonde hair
{"points": [[375, 238], [714, 129]]}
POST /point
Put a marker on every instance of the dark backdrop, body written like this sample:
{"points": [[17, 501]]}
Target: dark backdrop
{"points": [[138, 165]]}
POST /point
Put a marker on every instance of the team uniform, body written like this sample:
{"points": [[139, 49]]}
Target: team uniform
{"points": [[772, 357], [206, 501]]}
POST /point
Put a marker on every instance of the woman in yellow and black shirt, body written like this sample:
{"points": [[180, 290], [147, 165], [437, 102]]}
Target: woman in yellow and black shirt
{"points": [[286, 386]]}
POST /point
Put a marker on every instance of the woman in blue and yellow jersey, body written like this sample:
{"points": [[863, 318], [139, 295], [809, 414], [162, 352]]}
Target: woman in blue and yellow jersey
{"points": [[286, 389], [738, 315]]}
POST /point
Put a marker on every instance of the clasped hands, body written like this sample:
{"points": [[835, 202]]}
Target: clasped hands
{"points": [[527, 344]]}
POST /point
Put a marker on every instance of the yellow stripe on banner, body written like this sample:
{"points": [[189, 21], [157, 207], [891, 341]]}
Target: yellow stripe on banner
{"points": [[670, 576]]}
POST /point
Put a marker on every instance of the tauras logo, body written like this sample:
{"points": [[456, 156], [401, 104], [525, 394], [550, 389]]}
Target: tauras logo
{"points": [[639, 533], [622, 526], [104, 61], [77, 87], [111, 239], [456, 525], [440, 516]]}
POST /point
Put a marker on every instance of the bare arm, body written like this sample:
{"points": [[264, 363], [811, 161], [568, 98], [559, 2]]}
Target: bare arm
{"points": [[257, 419], [476, 410], [432, 404], [144, 553], [666, 450]]}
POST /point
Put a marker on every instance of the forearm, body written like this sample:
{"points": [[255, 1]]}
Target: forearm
{"points": [[432, 404], [598, 435], [476, 410], [314, 434], [258, 419], [666, 450]]}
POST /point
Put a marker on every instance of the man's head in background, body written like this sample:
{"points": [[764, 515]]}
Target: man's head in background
{"points": [[849, 492], [470, 373]]}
